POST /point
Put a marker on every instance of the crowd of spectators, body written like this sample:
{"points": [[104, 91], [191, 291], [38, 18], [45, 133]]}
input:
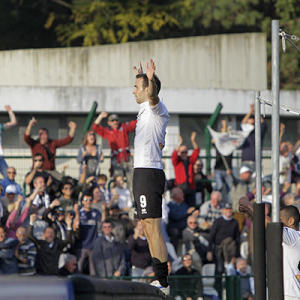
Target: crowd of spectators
{"points": [[66, 225]]}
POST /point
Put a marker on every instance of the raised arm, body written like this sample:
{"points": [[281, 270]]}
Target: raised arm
{"points": [[101, 116], [72, 128], [247, 116], [282, 129], [31, 123], [12, 118], [152, 88], [193, 140]]}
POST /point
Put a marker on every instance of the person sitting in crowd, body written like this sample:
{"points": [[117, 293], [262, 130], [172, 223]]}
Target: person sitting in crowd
{"points": [[46, 146], [189, 288], [101, 182], [178, 214], [37, 170], [10, 180], [210, 211], [183, 168], [121, 195], [108, 254], [223, 170], [90, 154], [98, 200], [8, 262], [88, 218], [25, 253], [10, 198], [117, 136], [70, 266], [49, 247], [195, 241], [66, 200], [203, 184], [4, 126], [248, 147], [139, 252]]}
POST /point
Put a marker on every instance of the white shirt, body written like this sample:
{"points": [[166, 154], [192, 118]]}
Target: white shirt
{"points": [[124, 200], [150, 135], [291, 258]]}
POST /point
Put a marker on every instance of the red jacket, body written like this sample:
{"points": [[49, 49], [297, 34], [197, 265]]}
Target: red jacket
{"points": [[36, 147], [180, 176], [117, 138]]}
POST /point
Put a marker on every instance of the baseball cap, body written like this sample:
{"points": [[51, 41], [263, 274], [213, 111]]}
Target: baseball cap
{"points": [[11, 189], [245, 169], [113, 117]]}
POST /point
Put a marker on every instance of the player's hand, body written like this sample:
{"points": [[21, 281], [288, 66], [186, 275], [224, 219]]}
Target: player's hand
{"points": [[138, 70], [150, 69], [282, 127]]}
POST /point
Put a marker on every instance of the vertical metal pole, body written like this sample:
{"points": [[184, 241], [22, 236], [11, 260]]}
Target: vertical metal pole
{"points": [[259, 249], [275, 121], [258, 148], [274, 229]]}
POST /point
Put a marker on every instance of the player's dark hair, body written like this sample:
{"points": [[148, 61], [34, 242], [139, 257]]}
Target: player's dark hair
{"points": [[146, 81], [291, 211]]}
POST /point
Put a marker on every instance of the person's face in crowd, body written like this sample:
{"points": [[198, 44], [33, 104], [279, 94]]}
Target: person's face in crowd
{"points": [[114, 213], [96, 194], [67, 190], [241, 265], [43, 136], [114, 124], [60, 216], [21, 234], [2, 235], [49, 235], [245, 176], [286, 220], [177, 195], [71, 265], [183, 152], [87, 202], [106, 229], [139, 91], [198, 166], [227, 212], [192, 222], [119, 182], [91, 138], [101, 182], [10, 197], [38, 162], [187, 261], [251, 121], [215, 199], [39, 182], [11, 173]]}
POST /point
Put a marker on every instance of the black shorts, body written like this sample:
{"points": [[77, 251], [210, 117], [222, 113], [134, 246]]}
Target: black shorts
{"points": [[148, 188]]}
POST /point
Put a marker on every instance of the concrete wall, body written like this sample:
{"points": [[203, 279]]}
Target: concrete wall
{"points": [[232, 61]]}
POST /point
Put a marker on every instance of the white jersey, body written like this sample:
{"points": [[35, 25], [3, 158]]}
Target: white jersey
{"points": [[150, 135], [291, 259]]}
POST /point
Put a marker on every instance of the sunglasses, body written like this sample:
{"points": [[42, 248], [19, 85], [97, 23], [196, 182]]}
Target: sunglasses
{"points": [[115, 120], [11, 172], [192, 222], [88, 200], [67, 188], [38, 160], [183, 152]]}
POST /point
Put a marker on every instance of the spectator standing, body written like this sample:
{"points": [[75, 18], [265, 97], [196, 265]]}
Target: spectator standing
{"points": [[66, 200], [101, 182], [108, 254], [10, 180], [248, 147], [117, 136], [183, 167], [46, 146], [49, 247], [4, 126], [8, 262], [25, 253], [89, 218], [210, 211], [90, 154], [140, 256], [42, 199]]}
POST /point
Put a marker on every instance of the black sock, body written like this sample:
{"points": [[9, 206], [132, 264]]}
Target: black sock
{"points": [[161, 271]]}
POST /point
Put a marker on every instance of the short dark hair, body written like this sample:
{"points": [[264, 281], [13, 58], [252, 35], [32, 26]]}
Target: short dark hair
{"points": [[146, 81], [291, 211], [102, 176], [39, 154], [44, 129]]}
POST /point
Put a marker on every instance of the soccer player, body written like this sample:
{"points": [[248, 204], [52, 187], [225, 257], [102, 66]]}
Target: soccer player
{"points": [[148, 176]]}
